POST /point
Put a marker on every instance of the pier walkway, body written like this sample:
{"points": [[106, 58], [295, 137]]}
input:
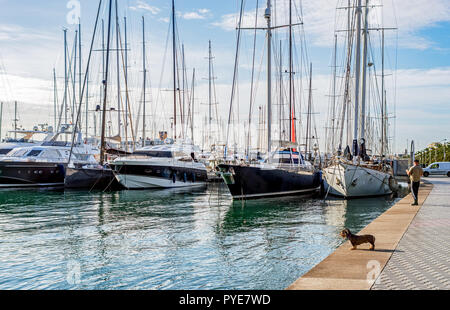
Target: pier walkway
{"points": [[412, 248], [422, 258]]}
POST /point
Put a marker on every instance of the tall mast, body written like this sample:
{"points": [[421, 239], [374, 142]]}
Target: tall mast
{"points": [[174, 73], [105, 88], [74, 77], [79, 65], [281, 94], [87, 100], [357, 77], [103, 72], [209, 92], [103, 47], [267, 16], [126, 82], [118, 71], [192, 105], [250, 110], [65, 77], [144, 70], [15, 119], [1, 118], [183, 81], [333, 112], [291, 94], [308, 123], [364, 77], [55, 98], [383, 111]]}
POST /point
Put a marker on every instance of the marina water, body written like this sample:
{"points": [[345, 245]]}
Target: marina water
{"points": [[168, 239]]}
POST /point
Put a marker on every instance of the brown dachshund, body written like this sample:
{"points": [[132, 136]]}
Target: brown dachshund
{"points": [[357, 240]]}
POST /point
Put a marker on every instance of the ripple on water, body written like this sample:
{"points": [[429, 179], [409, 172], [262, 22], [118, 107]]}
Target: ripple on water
{"points": [[169, 239]]}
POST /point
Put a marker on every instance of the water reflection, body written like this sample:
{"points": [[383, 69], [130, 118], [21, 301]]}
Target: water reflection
{"points": [[169, 239]]}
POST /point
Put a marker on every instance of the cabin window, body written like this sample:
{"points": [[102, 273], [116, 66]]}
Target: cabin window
{"points": [[5, 151], [51, 154], [17, 153], [83, 157], [34, 153], [154, 153], [435, 166]]}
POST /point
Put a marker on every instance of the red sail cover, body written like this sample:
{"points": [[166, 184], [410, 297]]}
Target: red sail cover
{"points": [[293, 126]]}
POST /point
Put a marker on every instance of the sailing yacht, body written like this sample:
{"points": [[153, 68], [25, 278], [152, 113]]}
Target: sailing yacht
{"points": [[97, 175], [283, 172], [353, 173]]}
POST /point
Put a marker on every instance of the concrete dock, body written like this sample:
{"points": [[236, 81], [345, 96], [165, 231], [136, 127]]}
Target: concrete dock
{"points": [[412, 249]]}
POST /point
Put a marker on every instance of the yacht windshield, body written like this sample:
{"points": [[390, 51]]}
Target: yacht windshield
{"points": [[154, 153], [4, 151], [17, 153], [34, 153]]}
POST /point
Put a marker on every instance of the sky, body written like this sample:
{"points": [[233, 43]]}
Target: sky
{"points": [[416, 52]]}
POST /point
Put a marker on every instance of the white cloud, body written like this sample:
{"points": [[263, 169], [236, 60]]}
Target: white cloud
{"points": [[321, 19], [197, 14], [18, 33], [142, 5]]}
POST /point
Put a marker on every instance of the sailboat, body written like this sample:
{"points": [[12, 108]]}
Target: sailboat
{"points": [[284, 171], [169, 164], [94, 175], [353, 173]]}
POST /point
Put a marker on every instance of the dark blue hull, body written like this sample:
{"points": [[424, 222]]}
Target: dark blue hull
{"points": [[250, 182]]}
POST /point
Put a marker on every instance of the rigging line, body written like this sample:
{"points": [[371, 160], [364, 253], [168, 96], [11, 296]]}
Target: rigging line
{"points": [[236, 61], [216, 103], [251, 84], [348, 63], [68, 98], [157, 103], [127, 95]]}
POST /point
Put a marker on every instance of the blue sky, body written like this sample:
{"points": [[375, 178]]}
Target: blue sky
{"points": [[418, 53]]}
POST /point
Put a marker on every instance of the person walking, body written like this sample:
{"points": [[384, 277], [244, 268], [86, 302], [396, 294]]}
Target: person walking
{"points": [[414, 173]]}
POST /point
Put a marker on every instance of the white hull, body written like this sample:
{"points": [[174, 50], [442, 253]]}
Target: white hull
{"points": [[348, 181], [131, 181]]}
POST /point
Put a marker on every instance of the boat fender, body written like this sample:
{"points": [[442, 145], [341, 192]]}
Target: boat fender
{"points": [[174, 176], [185, 177], [393, 184], [61, 168], [193, 177]]}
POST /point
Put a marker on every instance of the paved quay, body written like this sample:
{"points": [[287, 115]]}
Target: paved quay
{"points": [[363, 269], [422, 258]]}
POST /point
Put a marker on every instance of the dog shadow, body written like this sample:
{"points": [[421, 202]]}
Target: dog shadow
{"points": [[381, 250]]}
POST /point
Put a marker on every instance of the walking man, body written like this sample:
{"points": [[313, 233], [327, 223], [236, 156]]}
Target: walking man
{"points": [[414, 173]]}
